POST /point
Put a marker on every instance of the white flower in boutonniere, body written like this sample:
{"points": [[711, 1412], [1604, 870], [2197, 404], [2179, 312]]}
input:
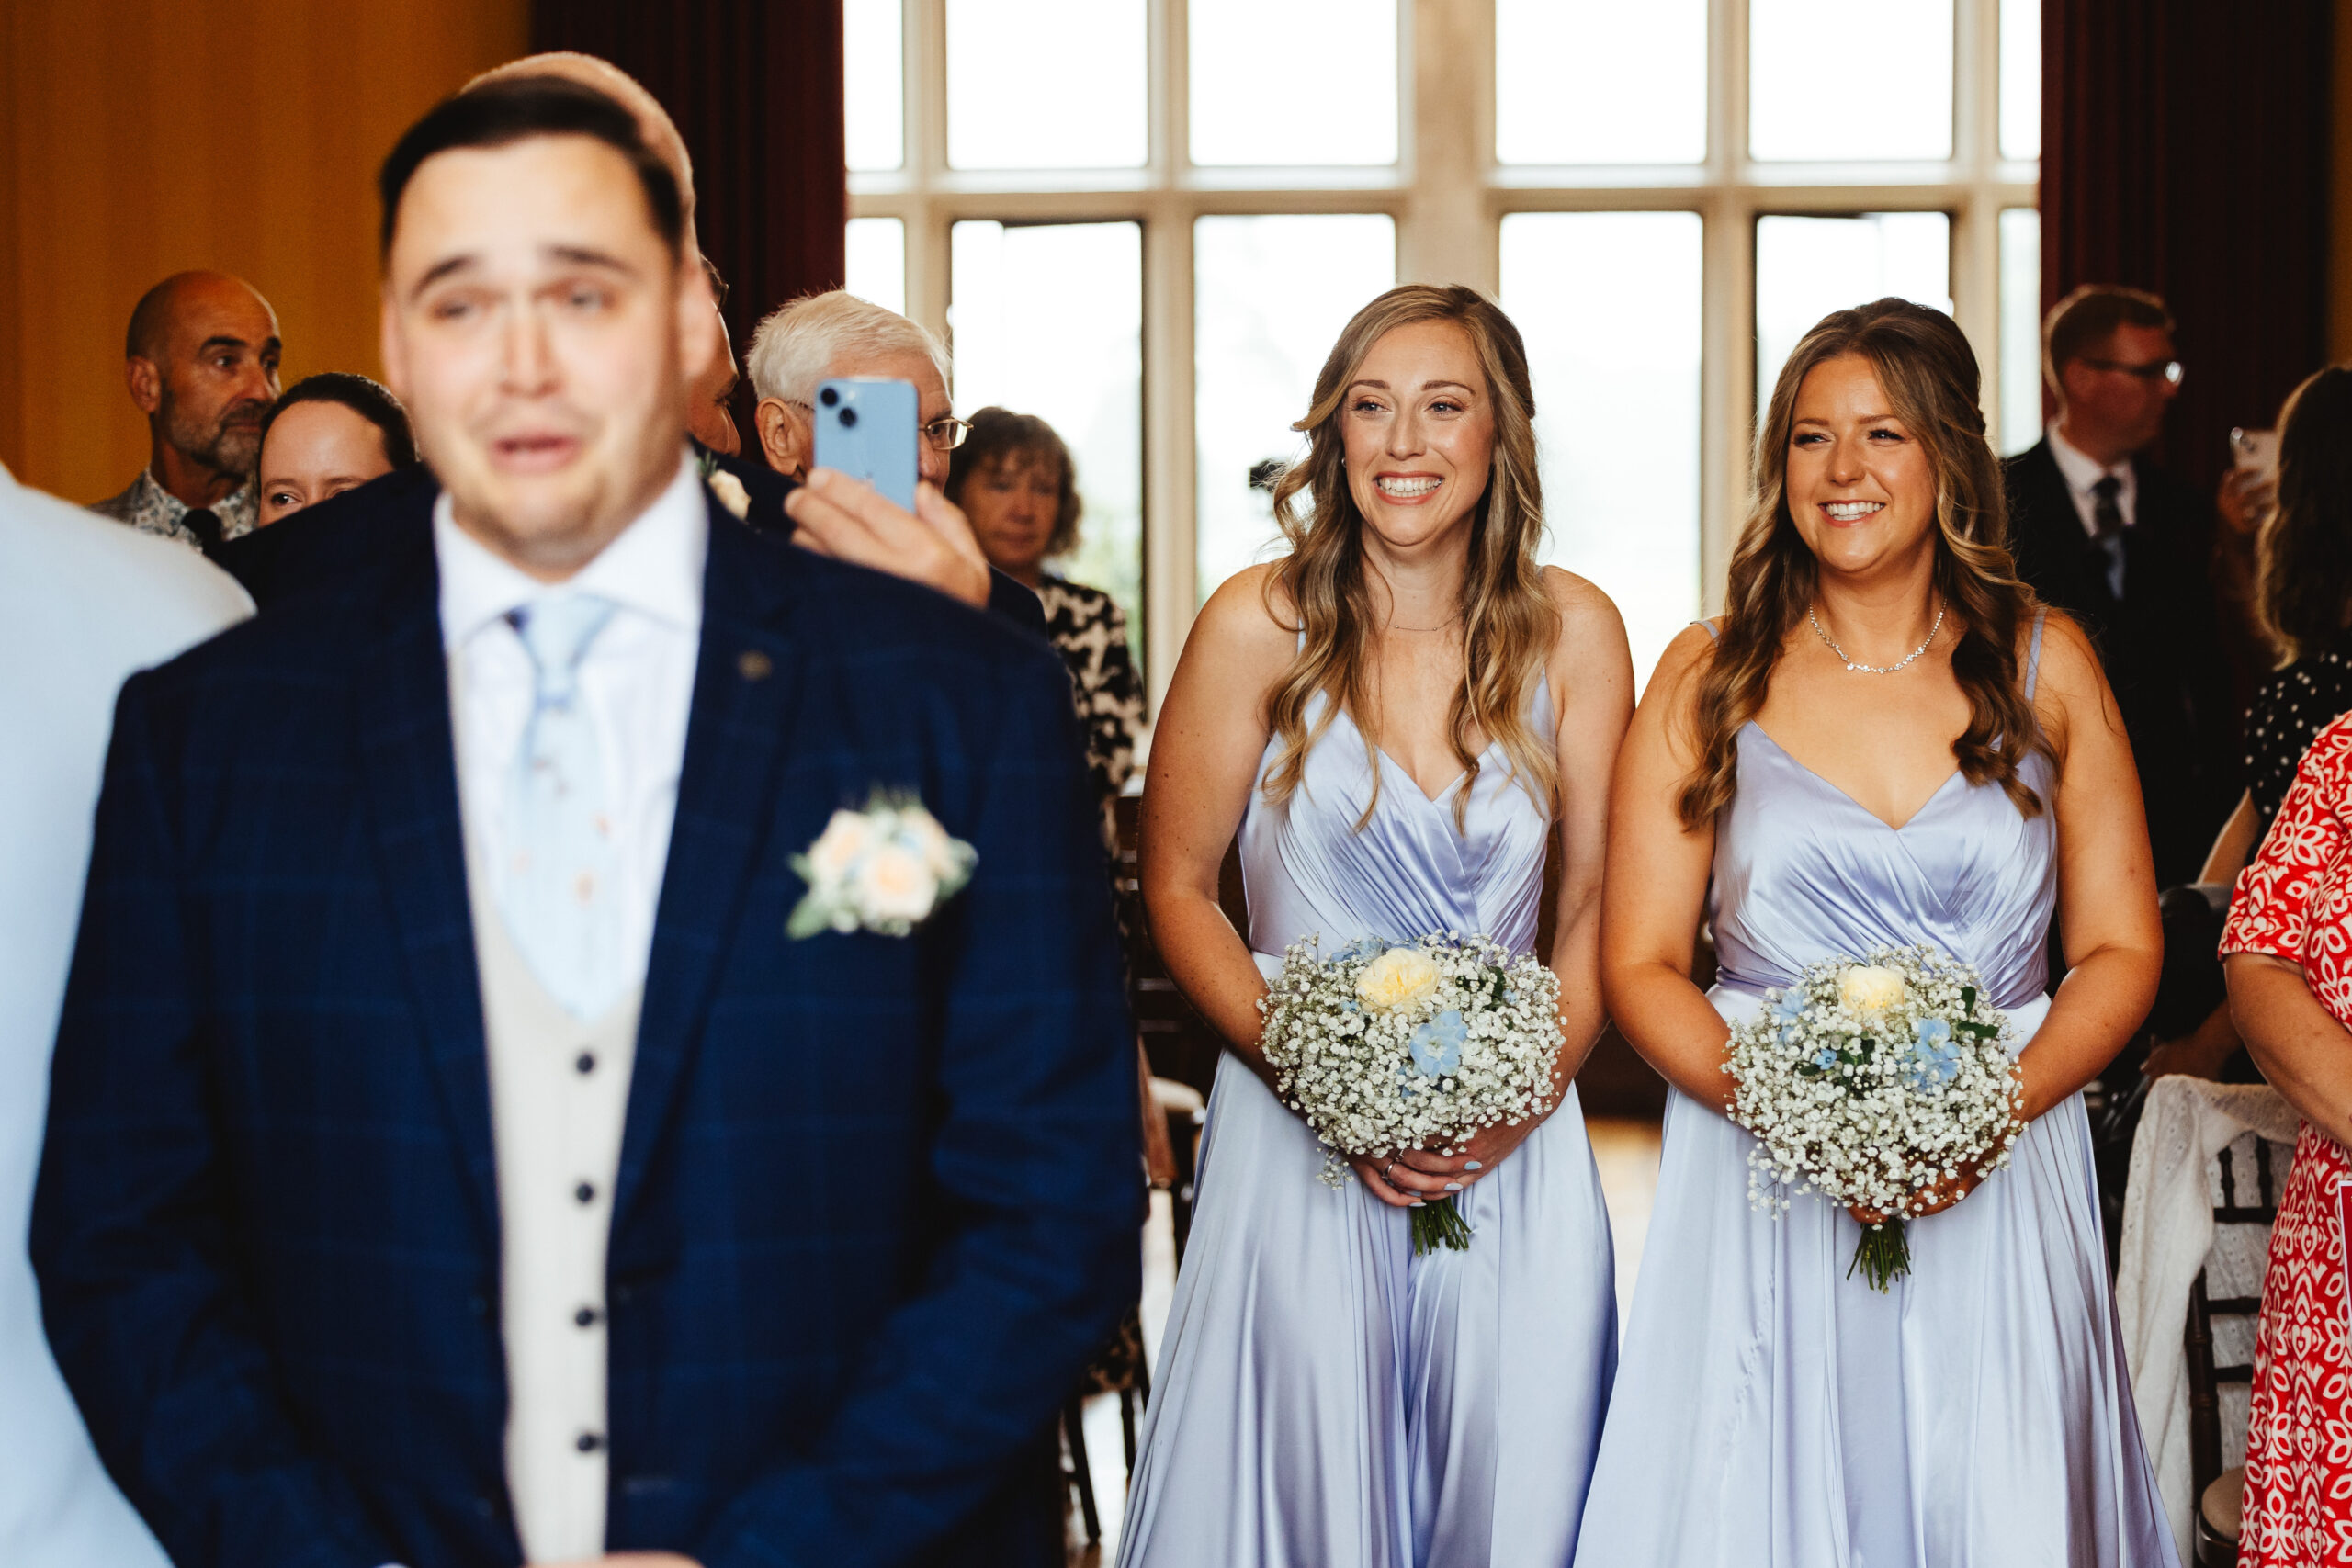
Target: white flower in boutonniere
{"points": [[884, 869], [729, 492]]}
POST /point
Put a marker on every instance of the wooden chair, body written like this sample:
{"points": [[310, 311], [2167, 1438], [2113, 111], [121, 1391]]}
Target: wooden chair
{"points": [[2220, 1490]]}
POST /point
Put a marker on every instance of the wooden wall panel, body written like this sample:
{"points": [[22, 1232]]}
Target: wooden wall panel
{"points": [[140, 137]]}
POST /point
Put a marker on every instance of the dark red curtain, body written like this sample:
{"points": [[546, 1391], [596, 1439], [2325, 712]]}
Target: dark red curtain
{"points": [[2184, 150], [756, 86]]}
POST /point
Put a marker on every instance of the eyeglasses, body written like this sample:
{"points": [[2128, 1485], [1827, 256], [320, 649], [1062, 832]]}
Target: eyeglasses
{"points": [[2167, 370], [940, 434]]}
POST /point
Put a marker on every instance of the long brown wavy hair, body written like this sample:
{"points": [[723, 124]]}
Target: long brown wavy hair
{"points": [[1931, 378], [2304, 589], [1508, 622]]}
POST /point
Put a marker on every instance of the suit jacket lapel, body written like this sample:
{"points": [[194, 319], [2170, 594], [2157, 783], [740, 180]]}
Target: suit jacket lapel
{"points": [[747, 684], [409, 763]]}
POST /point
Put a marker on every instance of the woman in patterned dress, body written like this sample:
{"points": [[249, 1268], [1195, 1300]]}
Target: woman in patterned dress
{"points": [[2287, 951], [1015, 480]]}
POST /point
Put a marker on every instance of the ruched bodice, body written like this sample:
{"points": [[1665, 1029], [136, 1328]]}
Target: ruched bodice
{"points": [[1311, 873], [1803, 871]]}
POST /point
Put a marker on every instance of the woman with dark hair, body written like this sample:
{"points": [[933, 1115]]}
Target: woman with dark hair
{"points": [[1398, 718], [1015, 480], [1884, 741], [2303, 600], [329, 433], [2285, 950]]}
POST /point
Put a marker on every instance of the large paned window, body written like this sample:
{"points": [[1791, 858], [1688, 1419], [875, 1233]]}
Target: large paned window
{"points": [[1148, 220]]}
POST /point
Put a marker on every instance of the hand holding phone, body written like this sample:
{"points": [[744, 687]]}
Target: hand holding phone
{"points": [[865, 428]]}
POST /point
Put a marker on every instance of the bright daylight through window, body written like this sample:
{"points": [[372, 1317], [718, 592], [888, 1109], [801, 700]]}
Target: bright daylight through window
{"points": [[1148, 221]]}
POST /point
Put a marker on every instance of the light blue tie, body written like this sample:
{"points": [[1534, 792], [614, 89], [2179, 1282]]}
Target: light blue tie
{"points": [[561, 890]]}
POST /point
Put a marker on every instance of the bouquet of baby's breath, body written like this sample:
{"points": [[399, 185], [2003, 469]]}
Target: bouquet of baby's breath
{"points": [[1870, 1080], [1386, 1047]]}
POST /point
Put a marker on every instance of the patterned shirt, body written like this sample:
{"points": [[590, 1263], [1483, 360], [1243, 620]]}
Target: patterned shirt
{"points": [[1086, 625], [2289, 708], [149, 508]]}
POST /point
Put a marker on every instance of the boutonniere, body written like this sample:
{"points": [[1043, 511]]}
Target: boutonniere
{"points": [[728, 489], [884, 869]]}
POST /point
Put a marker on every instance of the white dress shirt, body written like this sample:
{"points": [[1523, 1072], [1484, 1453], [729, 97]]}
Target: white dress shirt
{"points": [[558, 1087], [82, 602], [2082, 473]]}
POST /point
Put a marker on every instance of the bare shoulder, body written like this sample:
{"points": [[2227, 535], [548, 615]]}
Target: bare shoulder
{"points": [[1672, 682], [1250, 618], [2070, 689], [1589, 622], [2069, 670]]}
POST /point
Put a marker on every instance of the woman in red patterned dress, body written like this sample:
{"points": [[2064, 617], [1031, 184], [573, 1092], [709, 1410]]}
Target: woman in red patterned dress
{"points": [[2288, 950]]}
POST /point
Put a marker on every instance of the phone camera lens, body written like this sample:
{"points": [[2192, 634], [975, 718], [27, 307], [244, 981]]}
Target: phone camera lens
{"points": [[829, 396], [849, 417]]}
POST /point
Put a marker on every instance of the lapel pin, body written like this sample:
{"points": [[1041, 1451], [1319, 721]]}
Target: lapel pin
{"points": [[754, 665]]}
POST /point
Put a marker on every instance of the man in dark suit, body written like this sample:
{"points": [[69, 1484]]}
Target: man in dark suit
{"points": [[2116, 542], [453, 1160]]}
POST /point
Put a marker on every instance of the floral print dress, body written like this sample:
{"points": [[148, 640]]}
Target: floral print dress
{"points": [[2295, 902]]}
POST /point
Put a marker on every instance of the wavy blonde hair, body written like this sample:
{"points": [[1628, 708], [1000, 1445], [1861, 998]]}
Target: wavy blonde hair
{"points": [[1929, 375], [1508, 622]]}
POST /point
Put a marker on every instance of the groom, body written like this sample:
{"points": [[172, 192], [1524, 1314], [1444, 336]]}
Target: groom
{"points": [[452, 1161]]}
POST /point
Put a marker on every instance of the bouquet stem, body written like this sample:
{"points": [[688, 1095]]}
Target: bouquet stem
{"points": [[1884, 1255], [1440, 1224]]}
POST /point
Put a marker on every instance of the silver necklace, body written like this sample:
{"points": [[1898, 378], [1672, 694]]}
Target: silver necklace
{"points": [[1860, 669]]}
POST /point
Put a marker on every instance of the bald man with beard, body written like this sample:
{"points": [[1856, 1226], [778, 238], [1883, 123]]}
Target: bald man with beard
{"points": [[200, 360]]}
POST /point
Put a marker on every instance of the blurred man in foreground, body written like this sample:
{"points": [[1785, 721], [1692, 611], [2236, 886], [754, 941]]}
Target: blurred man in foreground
{"points": [[467, 1145]]}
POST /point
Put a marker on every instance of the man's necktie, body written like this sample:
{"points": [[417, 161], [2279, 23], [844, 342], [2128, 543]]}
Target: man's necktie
{"points": [[2107, 528], [204, 524], [561, 891]]}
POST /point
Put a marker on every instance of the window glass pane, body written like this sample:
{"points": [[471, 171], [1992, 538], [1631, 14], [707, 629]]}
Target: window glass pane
{"points": [[1850, 79], [1301, 82], [2020, 78], [1270, 295], [1806, 267], [1048, 320], [873, 84], [1563, 94], [2021, 328], [1609, 303], [876, 265], [1046, 84]]}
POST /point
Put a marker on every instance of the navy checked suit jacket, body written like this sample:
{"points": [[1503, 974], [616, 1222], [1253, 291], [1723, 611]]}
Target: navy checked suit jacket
{"points": [[878, 1197]]}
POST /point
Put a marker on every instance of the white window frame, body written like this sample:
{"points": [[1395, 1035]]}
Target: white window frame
{"points": [[1448, 196]]}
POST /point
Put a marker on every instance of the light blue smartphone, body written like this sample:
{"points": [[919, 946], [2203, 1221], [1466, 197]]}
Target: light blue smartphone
{"points": [[865, 428]]}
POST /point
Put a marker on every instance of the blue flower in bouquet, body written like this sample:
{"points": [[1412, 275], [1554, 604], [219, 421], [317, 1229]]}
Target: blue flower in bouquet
{"points": [[1935, 1055], [1826, 1058], [1361, 950], [1437, 1044], [1789, 1010]]}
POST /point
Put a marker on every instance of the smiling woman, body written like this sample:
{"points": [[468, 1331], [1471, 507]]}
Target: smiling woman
{"points": [[1399, 718], [1886, 744]]}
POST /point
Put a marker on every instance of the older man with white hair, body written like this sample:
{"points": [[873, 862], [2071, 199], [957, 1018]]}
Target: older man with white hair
{"points": [[821, 336]]}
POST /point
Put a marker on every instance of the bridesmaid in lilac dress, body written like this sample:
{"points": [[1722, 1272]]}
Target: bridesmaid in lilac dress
{"points": [[1395, 716], [1792, 778]]}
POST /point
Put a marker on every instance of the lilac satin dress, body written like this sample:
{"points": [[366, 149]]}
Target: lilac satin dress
{"points": [[1772, 1411], [1324, 1398]]}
